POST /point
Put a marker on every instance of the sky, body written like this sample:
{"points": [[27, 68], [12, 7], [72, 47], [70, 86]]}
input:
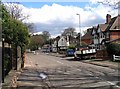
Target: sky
{"points": [[56, 16]]}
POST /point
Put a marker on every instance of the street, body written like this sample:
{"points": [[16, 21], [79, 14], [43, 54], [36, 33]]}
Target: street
{"points": [[44, 71]]}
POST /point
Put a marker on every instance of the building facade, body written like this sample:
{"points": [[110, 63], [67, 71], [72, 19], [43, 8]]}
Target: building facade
{"points": [[106, 32]]}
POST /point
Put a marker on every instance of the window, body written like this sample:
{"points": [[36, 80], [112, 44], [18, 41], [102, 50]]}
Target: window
{"points": [[107, 34], [95, 36]]}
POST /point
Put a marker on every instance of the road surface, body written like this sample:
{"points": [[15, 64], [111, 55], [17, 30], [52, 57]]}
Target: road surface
{"points": [[44, 71]]}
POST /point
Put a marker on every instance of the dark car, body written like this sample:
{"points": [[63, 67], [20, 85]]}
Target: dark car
{"points": [[70, 52]]}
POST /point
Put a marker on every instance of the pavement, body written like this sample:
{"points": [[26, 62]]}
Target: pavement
{"points": [[103, 63]]}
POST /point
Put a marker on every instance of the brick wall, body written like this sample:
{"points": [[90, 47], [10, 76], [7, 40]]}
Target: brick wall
{"points": [[114, 35], [102, 54]]}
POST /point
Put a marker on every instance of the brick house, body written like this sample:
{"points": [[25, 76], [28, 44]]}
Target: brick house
{"points": [[87, 38], [106, 32], [112, 31]]}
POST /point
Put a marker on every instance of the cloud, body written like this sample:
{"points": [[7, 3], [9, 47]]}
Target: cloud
{"points": [[56, 18], [112, 2]]}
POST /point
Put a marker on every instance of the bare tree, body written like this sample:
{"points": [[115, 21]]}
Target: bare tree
{"points": [[115, 4], [31, 27], [16, 12], [46, 34], [69, 32]]}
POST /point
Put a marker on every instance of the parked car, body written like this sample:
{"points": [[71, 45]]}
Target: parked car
{"points": [[70, 52]]}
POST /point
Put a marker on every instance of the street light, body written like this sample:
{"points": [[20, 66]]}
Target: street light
{"points": [[79, 27]]}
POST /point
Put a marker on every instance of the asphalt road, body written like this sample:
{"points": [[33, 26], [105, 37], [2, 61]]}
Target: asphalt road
{"points": [[43, 71]]}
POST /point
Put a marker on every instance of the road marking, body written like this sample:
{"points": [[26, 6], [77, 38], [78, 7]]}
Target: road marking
{"points": [[69, 65], [60, 62], [78, 69], [113, 84]]}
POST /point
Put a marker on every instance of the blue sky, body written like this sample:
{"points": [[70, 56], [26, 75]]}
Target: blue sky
{"points": [[40, 4]]}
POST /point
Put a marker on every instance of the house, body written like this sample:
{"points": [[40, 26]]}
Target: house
{"points": [[112, 31], [55, 44], [62, 43], [87, 38], [106, 32], [95, 38], [99, 35], [71, 40]]}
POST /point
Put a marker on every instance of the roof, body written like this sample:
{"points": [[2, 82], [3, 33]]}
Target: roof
{"points": [[57, 38], [88, 35], [114, 23], [94, 29], [102, 27]]}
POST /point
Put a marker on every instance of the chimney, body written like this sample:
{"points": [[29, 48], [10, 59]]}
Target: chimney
{"points": [[108, 18], [89, 29]]}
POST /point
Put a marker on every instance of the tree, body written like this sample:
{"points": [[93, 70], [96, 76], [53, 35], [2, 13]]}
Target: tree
{"points": [[14, 32], [113, 48], [46, 33], [46, 36], [31, 27], [115, 4], [16, 12], [69, 32], [72, 47], [6, 25], [36, 41]]}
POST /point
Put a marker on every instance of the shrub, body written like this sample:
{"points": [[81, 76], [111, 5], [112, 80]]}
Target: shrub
{"points": [[113, 48], [71, 47]]}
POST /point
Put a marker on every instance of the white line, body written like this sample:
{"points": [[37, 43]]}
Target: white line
{"points": [[113, 84], [60, 62], [78, 69]]}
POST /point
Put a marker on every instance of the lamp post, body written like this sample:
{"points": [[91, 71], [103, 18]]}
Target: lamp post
{"points": [[3, 60], [79, 27]]}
